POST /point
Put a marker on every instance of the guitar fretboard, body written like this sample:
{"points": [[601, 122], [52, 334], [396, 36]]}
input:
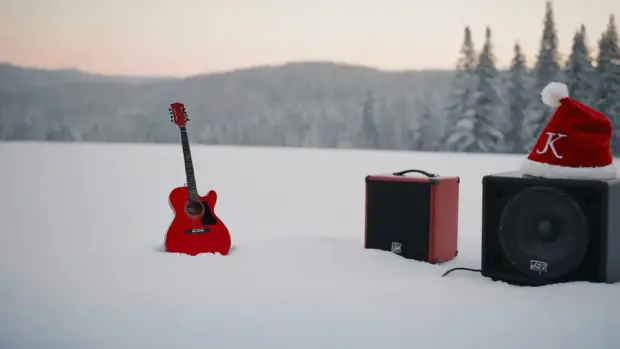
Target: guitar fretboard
{"points": [[189, 166]]}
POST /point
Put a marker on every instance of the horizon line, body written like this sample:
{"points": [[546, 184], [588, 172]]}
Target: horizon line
{"points": [[234, 70], [228, 71]]}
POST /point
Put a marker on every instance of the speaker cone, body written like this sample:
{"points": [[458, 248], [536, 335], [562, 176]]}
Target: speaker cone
{"points": [[543, 233]]}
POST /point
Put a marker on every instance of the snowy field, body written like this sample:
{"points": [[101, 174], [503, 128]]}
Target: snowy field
{"points": [[80, 266]]}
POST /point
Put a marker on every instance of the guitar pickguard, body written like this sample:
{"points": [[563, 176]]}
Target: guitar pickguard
{"points": [[207, 217]]}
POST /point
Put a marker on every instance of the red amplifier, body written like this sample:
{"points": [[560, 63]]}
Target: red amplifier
{"points": [[414, 216]]}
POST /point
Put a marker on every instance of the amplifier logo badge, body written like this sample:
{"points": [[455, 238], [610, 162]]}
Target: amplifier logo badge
{"points": [[397, 247], [538, 266]]}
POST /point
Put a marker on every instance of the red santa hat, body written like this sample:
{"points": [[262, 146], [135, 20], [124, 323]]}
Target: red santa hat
{"points": [[575, 144]]}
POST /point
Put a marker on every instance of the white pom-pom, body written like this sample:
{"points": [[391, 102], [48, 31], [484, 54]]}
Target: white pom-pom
{"points": [[553, 93]]}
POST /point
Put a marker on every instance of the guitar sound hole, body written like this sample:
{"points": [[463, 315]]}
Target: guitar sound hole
{"points": [[194, 208]]}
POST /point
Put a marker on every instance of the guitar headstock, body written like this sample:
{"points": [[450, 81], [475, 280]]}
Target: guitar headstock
{"points": [[178, 115]]}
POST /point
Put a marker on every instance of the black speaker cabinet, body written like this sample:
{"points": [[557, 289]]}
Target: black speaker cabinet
{"points": [[538, 231]]}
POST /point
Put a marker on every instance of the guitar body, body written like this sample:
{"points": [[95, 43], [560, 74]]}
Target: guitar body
{"points": [[196, 228]]}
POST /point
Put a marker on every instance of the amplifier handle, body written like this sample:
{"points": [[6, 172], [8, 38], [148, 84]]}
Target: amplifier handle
{"points": [[427, 174]]}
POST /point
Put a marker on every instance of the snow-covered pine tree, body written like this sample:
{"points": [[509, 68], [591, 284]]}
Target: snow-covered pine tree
{"points": [[480, 131], [422, 139], [518, 99], [369, 137], [461, 100], [60, 132], [546, 70], [607, 98], [423, 136], [489, 98], [579, 71]]}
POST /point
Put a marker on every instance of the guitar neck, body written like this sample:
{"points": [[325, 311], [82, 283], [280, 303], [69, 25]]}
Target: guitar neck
{"points": [[189, 166]]}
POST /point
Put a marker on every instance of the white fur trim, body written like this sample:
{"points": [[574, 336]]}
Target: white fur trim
{"points": [[539, 169], [553, 93]]}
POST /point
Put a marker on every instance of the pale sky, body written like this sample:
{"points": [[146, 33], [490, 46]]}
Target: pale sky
{"points": [[186, 37]]}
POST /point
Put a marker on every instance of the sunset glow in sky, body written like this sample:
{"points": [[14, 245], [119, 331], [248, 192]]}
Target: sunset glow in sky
{"points": [[186, 37]]}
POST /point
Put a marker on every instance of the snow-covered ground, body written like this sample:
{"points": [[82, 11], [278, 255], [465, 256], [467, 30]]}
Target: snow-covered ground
{"points": [[80, 266]]}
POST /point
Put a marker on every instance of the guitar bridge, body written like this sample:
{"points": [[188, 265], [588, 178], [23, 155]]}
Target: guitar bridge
{"points": [[197, 231]]}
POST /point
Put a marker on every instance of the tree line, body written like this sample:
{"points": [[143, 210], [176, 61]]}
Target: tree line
{"points": [[491, 111]]}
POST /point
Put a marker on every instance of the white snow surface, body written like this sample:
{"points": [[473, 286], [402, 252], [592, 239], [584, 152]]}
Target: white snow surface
{"points": [[80, 265]]}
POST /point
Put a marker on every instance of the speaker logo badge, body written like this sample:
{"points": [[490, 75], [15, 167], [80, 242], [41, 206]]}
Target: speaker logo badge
{"points": [[551, 138], [397, 247], [538, 266]]}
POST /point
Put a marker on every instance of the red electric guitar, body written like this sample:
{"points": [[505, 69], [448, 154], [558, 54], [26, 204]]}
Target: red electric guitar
{"points": [[195, 228]]}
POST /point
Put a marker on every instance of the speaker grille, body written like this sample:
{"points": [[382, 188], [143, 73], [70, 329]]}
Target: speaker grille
{"points": [[543, 233], [398, 212]]}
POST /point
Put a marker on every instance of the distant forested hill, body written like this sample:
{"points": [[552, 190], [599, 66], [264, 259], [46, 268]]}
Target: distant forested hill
{"points": [[297, 104]]}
